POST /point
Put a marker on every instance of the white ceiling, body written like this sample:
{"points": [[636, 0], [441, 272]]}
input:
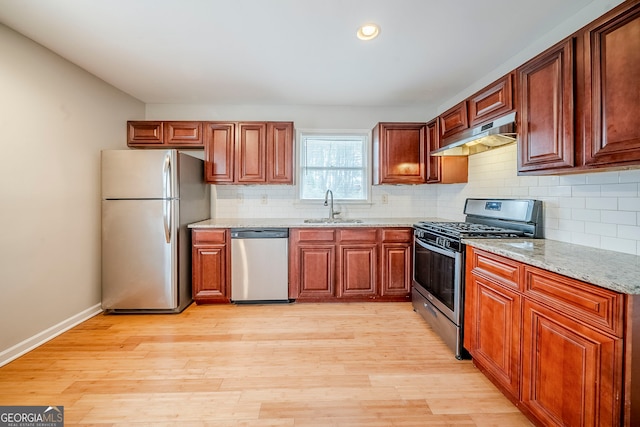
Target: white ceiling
{"points": [[290, 52]]}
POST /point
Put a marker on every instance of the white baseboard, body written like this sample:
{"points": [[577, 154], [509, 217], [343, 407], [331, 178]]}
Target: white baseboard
{"points": [[29, 344]]}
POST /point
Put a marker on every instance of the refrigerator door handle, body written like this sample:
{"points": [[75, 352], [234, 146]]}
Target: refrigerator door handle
{"points": [[167, 220], [167, 198]]}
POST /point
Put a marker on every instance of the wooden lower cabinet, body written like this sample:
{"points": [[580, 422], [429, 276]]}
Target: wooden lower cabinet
{"points": [[552, 344], [571, 373], [495, 333], [396, 269], [330, 264], [357, 270], [211, 266], [315, 271]]}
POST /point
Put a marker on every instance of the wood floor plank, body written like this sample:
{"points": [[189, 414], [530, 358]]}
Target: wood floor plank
{"points": [[348, 364]]}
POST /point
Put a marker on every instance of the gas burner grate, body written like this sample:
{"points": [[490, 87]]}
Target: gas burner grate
{"points": [[467, 229]]}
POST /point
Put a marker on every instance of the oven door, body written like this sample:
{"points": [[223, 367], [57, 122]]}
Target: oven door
{"points": [[438, 276]]}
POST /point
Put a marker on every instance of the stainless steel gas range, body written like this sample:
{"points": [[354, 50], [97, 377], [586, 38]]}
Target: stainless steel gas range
{"points": [[439, 263]]}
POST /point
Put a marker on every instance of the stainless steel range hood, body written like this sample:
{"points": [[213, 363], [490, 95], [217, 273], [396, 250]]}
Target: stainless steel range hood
{"points": [[499, 132]]}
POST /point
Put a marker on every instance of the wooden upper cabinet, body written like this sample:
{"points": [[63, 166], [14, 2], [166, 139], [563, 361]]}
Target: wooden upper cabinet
{"points": [[155, 134], [183, 134], [492, 102], [546, 110], [144, 134], [280, 152], [248, 152], [251, 153], [611, 47], [447, 169], [454, 120], [219, 147], [433, 143], [399, 153]]}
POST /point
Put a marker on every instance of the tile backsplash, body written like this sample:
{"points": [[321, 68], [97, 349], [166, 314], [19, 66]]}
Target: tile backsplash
{"points": [[600, 209]]}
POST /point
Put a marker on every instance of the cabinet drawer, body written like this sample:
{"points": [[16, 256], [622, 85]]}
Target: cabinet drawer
{"points": [[402, 235], [359, 235], [501, 270], [587, 303], [204, 237], [314, 235]]}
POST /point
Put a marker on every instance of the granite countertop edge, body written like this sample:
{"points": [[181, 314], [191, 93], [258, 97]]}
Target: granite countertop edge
{"points": [[611, 270], [299, 222]]}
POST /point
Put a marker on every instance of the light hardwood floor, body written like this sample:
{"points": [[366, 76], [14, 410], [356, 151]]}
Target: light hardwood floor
{"points": [[348, 364]]}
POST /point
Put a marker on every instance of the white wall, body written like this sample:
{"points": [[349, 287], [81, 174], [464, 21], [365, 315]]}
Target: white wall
{"points": [[54, 120]]}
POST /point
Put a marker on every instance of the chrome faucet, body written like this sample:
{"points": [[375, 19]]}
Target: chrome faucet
{"points": [[332, 213]]}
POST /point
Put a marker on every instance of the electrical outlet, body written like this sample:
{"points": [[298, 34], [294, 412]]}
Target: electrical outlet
{"points": [[385, 199], [240, 198], [263, 199]]}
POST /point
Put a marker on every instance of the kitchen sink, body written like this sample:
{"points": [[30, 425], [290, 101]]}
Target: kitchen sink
{"points": [[332, 221]]}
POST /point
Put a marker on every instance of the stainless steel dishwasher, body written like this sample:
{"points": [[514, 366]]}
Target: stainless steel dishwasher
{"points": [[259, 265]]}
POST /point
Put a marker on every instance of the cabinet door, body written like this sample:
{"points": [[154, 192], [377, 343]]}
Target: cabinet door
{"points": [[357, 270], [280, 152], [494, 331], [400, 151], [144, 134], [546, 119], [210, 271], [433, 143], [491, 102], [183, 134], [396, 269], [571, 374], [219, 152], [452, 121], [251, 153], [316, 271], [612, 88]]}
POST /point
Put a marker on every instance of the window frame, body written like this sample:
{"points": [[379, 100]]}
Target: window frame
{"points": [[365, 134]]}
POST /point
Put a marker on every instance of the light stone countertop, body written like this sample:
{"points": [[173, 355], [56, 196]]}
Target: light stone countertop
{"points": [[299, 222], [608, 269]]}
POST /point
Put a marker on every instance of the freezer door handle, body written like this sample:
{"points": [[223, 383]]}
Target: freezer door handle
{"points": [[166, 175], [167, 197]]}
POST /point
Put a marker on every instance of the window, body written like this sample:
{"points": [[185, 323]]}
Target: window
{"points": [[336, 162]]}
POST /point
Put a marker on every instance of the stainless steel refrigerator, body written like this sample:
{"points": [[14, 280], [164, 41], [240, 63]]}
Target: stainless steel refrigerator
{"points": [[148, 198]]}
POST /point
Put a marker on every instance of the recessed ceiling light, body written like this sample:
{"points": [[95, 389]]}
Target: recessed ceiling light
{"points": [[368, 31]]}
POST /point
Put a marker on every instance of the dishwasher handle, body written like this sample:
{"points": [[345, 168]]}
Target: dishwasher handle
{"points": [[259, 233]]}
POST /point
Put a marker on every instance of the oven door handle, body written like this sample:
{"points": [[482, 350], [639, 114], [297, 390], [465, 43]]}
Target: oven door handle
{"points": [[441, 251]]}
